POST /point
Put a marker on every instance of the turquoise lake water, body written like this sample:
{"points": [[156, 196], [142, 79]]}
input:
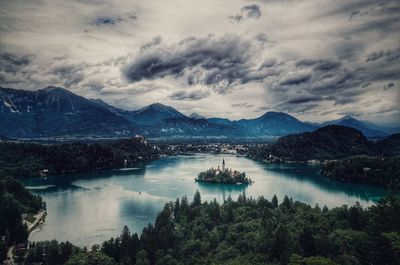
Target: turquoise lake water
{"points": [[89, 208]]}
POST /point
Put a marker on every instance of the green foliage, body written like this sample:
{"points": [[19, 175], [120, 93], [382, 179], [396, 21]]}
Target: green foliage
{"points": [[226, 177], [51, 252], [197, 199], [329, 142], [90, 258], [15, 200], [370, 170], [249, 231], [27, 159]]}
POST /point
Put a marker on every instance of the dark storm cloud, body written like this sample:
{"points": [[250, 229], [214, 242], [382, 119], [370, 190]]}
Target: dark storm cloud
{"points": [[304, 99], [341, 82], [69, 74], [295, 78], [319, 65], [358, 8], [381, 25], [112, 20], [101, 21], [366, 16], [295, 106], [250, 11], [264, 40], [268, 63], [343, 100], [12, 63], [388, 55], [154, 42], [221, 62], [192, 95]]}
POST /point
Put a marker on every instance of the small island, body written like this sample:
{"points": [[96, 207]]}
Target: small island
{"points": [[223, 176]]}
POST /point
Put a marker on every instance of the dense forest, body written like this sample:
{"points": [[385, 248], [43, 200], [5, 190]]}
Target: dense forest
{"points": [[370, 170], [330, 142], [14, 200], [247, 231], [28, 159]]}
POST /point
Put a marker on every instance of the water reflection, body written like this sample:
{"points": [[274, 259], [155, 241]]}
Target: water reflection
{"points": [[224, 189], [310, 174]]}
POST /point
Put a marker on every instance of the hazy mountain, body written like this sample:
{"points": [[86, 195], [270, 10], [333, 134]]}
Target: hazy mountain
{"points": [[155, 113], [55, 111], [220, 121], [187, 127], [196, 116], [366, 129], [390, 129], [274, 124]]}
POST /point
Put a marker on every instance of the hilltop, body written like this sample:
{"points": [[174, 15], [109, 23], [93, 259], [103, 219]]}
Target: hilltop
{"points": [[329, 142]]}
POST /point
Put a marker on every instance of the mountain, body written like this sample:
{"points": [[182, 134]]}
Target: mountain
{"points": [[187, 127], [55, 111], [274, 124], [366, 129], [329, 142], [154, 114], [221, 121], [196, 116], [390, 145], [389, 129]]}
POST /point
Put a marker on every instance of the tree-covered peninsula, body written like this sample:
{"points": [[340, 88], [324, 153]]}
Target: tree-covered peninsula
{"points": [[19, 159], [223, 175], [326, 143], [380, 171], [15, 201]]}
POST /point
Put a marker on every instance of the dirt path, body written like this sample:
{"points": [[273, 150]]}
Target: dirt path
{"points": [[9, 258]]}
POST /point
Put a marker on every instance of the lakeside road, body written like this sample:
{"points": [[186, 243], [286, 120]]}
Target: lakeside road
{"points": [[38, 217], [9, 258], [31, 227]]}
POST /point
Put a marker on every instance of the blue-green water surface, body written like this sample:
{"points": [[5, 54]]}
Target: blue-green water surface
{"points": [[89, 208]]}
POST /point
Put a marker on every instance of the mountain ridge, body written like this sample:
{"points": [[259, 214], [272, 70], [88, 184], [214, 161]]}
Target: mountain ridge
{"points": [[55, 111], [349, 121]]}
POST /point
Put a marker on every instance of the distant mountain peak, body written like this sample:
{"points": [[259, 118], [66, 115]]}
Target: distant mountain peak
{"points": [[348, 117], [155, 113], [196, 116], [275, 114], [55, 88], [352, 122], [157, 106]]}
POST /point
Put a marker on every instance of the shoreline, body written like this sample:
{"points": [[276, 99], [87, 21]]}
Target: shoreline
{"points": [[39, 221]]}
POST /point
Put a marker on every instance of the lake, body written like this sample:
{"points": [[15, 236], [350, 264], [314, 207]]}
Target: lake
{"points": [[89, 208]]}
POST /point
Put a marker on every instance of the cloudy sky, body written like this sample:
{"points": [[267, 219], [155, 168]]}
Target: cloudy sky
{"points": [[314, 59]]}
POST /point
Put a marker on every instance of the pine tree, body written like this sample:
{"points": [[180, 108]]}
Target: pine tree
{"points": [[274, 201], [197, 199]]}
